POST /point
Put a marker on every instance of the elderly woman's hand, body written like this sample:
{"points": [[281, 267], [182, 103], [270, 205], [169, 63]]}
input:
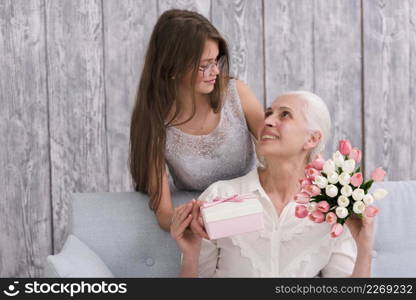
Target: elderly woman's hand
{"points": [[362, 232], [188, 242], [197, 225]]}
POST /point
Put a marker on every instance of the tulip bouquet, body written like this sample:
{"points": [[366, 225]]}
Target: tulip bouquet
{"points": [[334, 189]]}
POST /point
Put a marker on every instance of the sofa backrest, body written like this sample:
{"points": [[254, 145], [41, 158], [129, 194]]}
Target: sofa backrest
{"points": [[122, 230], [395, 231]]}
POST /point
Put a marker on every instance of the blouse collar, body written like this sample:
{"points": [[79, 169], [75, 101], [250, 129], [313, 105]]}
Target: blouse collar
{"points": [[251, 182]]}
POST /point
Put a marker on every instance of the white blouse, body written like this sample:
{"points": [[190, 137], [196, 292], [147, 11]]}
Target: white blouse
{"points": [[286, 247]]}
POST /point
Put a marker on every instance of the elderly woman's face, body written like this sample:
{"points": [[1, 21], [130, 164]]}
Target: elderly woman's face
{"points": [[284, 132]]}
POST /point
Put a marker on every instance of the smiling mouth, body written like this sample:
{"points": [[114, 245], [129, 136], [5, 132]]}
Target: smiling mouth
{"points": [[268, 137]]}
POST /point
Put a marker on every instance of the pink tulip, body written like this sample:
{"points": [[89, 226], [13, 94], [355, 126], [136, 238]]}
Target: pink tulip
{"points": [[357, 179], [305, 181], [355, 154], [312, 190], [301, 211], [317, 216], [323, 206], [308, 166], [302, 198], [336, 230], [318, 163], [331, 218], [378, 174], [344, 147], [371, 211], [312, 173]]}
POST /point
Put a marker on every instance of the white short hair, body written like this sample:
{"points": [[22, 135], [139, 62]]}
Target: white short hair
{"points": [[317, 117]]}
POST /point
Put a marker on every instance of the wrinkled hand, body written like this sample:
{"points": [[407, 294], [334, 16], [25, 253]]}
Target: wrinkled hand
{"points": [[361, 231], [188, 241], [197, 225]]}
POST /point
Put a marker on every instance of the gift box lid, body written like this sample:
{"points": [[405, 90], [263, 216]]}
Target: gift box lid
{"points": [[228, 210]]}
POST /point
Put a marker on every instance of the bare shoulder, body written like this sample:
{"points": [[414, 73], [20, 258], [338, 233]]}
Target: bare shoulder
{"points": [[243, 89], [247, 96], [252, 108]]}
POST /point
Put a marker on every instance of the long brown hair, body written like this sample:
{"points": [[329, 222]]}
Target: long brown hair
{"points": [[175, 48]]}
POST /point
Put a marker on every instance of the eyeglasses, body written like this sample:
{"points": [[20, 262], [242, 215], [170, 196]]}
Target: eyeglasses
{"points": [[207, 70]]}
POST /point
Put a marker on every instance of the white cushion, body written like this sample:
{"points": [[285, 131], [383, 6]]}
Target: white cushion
{"points": [[76, 260]]}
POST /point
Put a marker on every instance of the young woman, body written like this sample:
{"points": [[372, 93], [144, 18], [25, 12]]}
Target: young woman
{"points": [[295, 127], [189, 114]]}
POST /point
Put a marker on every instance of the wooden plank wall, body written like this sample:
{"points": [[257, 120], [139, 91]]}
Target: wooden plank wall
{"points": [[389, 72], [77, 116], [25, 200], [316, 46], [70, 70]]}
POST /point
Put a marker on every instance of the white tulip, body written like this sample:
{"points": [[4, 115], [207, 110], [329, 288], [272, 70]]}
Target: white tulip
{"points": [[311, 206], [358, 207], [321, 181], [331, 190], [329, 166], [346, 190], [338, 159], [332, 177], [358, 194], [341, 212], [344, 178], [379, 194], [343, 201], [348, 166], [368, 199]]}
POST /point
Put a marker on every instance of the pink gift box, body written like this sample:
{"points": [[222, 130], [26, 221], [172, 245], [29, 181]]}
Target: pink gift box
{"points": [[233, 215]]}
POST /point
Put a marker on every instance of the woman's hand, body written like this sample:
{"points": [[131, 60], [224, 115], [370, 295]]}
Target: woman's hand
{"points": [[197, 225], [362, 231], [188, 242]]}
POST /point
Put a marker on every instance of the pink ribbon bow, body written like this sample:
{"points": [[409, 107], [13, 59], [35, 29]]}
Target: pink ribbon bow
{"points": [[234, 198]]}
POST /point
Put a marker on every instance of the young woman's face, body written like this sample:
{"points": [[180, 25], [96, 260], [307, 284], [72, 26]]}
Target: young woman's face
{"points": [[207, 71], [284, 132]]}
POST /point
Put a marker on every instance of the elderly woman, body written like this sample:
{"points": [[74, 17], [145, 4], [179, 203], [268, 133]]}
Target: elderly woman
{"points": [[295, 129]]}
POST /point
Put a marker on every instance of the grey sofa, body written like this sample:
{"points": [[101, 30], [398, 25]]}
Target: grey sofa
{"points": [[122, 231]]}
